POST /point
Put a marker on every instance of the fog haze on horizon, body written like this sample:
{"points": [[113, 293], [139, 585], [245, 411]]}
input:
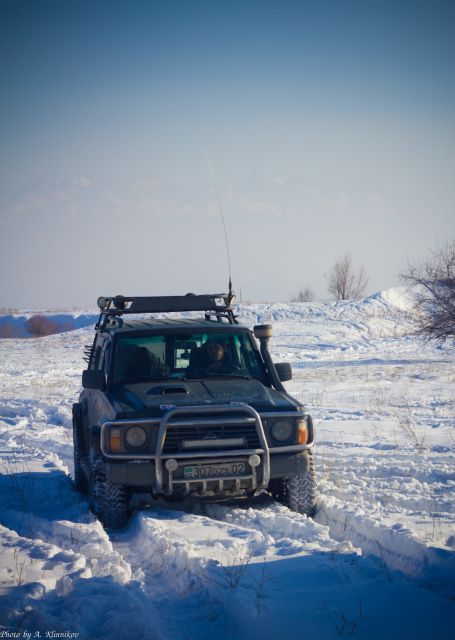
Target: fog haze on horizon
{"points": [[336, 94]]}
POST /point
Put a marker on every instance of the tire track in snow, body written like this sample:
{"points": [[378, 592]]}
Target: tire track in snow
{"points": [[59, 569], [210, 562], [211, 570], [393, 545], [192, 568], [366, 498]]}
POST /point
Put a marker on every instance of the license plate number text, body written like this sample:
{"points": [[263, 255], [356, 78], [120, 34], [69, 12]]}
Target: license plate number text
{"points": [[204, 471]]}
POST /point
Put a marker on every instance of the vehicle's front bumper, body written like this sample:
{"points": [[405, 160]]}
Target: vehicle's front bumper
{"points": [[142, 474], [151, 469]]}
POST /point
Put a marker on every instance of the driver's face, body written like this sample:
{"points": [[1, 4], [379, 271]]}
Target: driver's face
{"points": [[215, 351]]}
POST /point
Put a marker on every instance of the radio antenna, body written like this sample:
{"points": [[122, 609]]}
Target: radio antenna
{"points": [[220, 204]]}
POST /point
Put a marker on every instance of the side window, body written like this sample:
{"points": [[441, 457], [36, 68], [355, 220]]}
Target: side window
{"points": [[98, 359], [105, 357]]}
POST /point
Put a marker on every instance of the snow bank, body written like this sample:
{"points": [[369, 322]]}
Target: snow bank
{"points": [[392, 304]]}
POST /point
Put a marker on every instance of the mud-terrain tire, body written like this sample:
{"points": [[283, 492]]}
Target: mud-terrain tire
{"points": [[298, 492], [108, 501], [80, 479]]}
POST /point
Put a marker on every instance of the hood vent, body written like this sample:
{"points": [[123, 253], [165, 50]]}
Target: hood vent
{"points": [[167, 389]]}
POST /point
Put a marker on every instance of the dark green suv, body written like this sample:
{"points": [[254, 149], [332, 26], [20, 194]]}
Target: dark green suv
{"points": [[177, 406]]}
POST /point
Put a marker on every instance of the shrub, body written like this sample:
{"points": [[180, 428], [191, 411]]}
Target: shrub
{"points": [[8, 330], [38, 326]]}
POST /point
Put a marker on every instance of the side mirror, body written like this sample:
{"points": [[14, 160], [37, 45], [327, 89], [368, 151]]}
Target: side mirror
{"points": [[284, 371], [93, 379]]}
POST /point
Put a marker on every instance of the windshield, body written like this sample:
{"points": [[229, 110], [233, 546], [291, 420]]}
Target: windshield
{"points": [[186, 356]]}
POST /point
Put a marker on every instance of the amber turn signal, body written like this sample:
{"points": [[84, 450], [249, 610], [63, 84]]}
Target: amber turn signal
{"points": [[302, 432], [115, 440]]}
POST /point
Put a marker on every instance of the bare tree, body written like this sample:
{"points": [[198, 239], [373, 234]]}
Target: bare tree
{"points": [[345, 283], [434, 282], [304, 295]]}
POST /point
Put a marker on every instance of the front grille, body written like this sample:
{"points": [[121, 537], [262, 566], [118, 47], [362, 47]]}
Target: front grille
{"points": [[176, 435]]}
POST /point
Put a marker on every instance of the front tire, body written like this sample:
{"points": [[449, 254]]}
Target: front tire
{"points": [[298, 492], [109, 502]]}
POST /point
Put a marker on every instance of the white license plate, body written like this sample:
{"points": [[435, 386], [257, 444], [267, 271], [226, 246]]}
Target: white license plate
{"points": [[204, 471]]}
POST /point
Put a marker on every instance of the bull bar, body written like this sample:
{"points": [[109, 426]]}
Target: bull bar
{"points": [[170, 420]]}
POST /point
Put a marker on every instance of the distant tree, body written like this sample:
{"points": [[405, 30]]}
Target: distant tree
{"points": [[345, 283], [38, 326], [304, 295], [434, 283]]}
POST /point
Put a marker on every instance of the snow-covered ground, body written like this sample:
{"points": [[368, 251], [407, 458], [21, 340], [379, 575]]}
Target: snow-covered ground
{"points": [[378, 560]]}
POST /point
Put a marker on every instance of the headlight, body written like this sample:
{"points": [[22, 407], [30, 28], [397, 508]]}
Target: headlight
{"points": [[282, 430], [136, 436]]}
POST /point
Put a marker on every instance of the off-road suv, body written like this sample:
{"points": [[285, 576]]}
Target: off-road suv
{"points": [[185, 406]]}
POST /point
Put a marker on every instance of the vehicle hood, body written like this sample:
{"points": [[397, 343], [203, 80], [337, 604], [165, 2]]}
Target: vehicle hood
{"points": [[155, 398]]}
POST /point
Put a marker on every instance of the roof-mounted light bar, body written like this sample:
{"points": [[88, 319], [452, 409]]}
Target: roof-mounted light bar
{"points": [[214, 304], [118, 305]]}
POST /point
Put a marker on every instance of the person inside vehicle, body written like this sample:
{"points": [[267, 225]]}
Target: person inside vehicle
{"points": [[217, 357], [211, 358]]}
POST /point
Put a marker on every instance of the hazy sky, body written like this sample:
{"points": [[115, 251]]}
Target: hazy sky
{"points": [[329, 90]]}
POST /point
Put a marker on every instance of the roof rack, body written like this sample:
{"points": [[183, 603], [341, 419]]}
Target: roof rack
{"points": [[214, 304]]}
